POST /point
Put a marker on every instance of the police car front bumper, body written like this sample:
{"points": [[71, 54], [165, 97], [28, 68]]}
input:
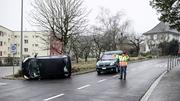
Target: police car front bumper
{"points": [[106, 68]]}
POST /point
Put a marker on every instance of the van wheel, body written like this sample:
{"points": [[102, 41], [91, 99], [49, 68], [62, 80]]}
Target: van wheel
{"points": [[67, 75]]}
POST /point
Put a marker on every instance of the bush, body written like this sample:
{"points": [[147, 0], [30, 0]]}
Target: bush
{"points": [[149, 56], [145, 54], [141, 58], [84, 66], [18, 74]]}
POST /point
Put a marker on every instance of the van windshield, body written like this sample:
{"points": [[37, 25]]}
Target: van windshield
{"points": [[108, 57]]}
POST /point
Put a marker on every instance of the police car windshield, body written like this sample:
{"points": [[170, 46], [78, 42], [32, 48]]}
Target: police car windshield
{"points": [[108, 57]]}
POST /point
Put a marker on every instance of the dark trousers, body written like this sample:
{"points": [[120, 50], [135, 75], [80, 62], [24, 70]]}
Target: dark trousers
{"points": [[123, 72]]}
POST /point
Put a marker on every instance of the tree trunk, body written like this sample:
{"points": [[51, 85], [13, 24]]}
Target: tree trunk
{"points": [[77, 59], [86, 58], [137, 50]]}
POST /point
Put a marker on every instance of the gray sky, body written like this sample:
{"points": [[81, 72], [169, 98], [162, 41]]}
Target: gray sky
{"points": [[142, 16]]}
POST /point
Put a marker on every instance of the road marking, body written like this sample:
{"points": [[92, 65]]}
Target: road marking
{"points": [[153, 86], [3, 84], [53, 97], [102, 80], [83, 86], [115, 76]]}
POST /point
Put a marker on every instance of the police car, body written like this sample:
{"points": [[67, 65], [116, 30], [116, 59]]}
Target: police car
{"points": [[107, 62]]}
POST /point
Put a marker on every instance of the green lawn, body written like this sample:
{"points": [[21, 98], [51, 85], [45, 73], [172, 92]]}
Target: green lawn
{"points": [[84, 66]]}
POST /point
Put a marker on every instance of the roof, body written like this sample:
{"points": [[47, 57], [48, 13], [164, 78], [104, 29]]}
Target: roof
{"points": [[23, 30], [5, 28], [114, 52], [161, 28]]}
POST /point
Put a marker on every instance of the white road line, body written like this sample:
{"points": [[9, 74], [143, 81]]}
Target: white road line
{"points": [[102, 80], [53, 97], [115, 76], [3, 84], [83, 86]]}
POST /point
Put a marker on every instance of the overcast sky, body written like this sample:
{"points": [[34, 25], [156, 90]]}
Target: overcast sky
{"points": [[142, 16]]}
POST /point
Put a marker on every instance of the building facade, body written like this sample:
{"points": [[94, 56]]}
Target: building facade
{"points": [[160, 33], [56, 46], [32, 44]]}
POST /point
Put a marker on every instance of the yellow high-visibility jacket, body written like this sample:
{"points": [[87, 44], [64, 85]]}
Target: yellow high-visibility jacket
{"points": [[123, 60]]}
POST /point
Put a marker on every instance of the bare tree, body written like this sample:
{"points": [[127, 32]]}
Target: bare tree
{"points": [[98, 44], [75, 47], [112, 26], [86, 46], [62, 18], [135, 41]]}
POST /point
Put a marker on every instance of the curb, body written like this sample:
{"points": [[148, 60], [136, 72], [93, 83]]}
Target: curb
{"points": [[152, 87], [10, 77], [83, 72]]}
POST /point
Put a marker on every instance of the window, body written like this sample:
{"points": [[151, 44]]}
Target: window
{"points": [[4, 52], [25, 49], [1, 43], [36, 45], [152, 37], [158, 36], [1, 33], [8, 39], [25, 41], [0, 53], [155, 37]]}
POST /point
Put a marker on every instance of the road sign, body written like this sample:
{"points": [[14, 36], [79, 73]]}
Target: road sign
{"points": [[13, 48]]}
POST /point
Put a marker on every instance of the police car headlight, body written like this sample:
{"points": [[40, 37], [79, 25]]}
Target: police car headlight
{"points": [[112, 63]]}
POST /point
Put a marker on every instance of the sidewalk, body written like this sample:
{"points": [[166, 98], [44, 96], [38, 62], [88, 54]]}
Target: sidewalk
{"points": [[5, 71], [168, 88]]}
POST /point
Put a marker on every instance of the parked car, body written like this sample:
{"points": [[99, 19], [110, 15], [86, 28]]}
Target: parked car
{"points": [[41, 67], [107, 62]]}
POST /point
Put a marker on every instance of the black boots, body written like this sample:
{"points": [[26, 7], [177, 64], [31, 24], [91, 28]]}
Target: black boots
{"points": [[123, 77]]}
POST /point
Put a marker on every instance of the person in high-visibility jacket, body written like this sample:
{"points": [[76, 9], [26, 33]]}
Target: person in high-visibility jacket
{"points": [[123, 62]]}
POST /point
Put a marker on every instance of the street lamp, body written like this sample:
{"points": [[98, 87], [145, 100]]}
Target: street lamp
{"points": [[21, 55]]}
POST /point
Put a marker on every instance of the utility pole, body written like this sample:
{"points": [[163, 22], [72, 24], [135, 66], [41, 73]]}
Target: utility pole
{"points": [[21, 55]]}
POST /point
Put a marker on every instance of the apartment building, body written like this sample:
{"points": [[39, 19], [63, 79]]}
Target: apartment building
{"points": [[33, 43]]}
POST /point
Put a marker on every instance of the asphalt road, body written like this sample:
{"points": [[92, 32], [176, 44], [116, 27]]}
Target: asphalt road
{"points": [[86, 87]]}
